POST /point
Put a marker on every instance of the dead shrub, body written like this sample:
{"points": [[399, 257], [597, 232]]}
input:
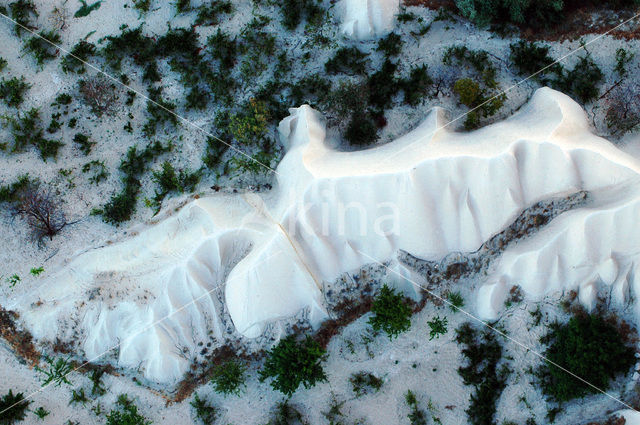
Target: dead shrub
{"points": [[99, 94], [40, 208], [623, 109]]}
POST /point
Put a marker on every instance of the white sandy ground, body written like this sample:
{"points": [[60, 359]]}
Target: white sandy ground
{"points": [[20, 254]]}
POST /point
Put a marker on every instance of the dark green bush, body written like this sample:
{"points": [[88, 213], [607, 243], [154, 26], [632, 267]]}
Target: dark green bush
{"points": [[391, 313], [588, 346], [417, 85], [3, 64], [530, 58], [12, 91], [23, 12], [483, 353], [292, 362], [208, 13], [383, 85], [224, 49], [40, 48], [229, 377], [214, 152], [310, 89], [126, 413], [538, 13], [361, 129], [390, 45], [17, 408], [582, 81], [168, 180], [11, 192], [347, 60], [27, 130], [478, 60], [293, 11], [130, 43], [84, 143]]}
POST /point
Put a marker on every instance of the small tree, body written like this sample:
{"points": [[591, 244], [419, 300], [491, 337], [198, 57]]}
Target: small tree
{"points": [[391, 313], [229, 377], [41, 210], [13, 408], [292, 362], [589, 347]]}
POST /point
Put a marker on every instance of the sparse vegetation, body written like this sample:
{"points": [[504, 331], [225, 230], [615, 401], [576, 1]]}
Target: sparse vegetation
{"points": [[347, 60], [391, 313], [126, 413], [292, 362], [42, 47], [416, 416], [12, 91], [365, 382], [205, 412]]}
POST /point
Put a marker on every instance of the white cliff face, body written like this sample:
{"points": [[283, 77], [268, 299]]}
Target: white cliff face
{"points": [[431, 192], [367, 19]]}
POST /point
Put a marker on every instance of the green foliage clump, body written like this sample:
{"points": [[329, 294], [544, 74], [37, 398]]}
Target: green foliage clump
{"points": [[391, 313], [126, 413], [84, 143], [40, 48], [437, 326], [416, 85], [12, 91], [27, 131], [23, 12], [286, 414], [383, 85], [456, 300], [130, 43], [168, 180], [535, 13], [208, 13], [623, 58], [361, 130], [142, 5], [3, 64], [347, 60], [57, 371], [78, 397], [16, 408], [160, 110], [310, 89], [416, 416], [249, 127], [41, 412], [588, 346], [214, 152], [100, 172], [364, 382], [86, 9], [473, 96], [391, 45], [229, 377], [582, 81], [223, 48], [123, 204], [204, 411], [293, 11], [292, 362], [11, 192], [478, 60], [530, 58], [483, 353]]}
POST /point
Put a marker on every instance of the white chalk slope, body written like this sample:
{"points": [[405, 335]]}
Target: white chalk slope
{"points": [[430, 192], [367, 19]]}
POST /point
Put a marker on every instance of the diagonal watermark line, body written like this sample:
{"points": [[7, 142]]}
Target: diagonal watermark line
{"points": [[139, 93], [517, 84], [130, 337], [498, 331]]}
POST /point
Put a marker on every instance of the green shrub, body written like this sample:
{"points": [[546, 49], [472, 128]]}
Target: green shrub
{"points": [[285, 414], [169, 181], [623, 58], [383, 85], [204, 411], [416, 416], [364, 382], [23, 12], [347, 60], [391, 313], [310, 89], [142, 5], [16, 408], [229, 377], [361, 129], [456, 300], [437, 326], [78, 397], [483, 353], [41, 412], [208, 13], [3, 64], [249, 127], [589, 347], [293, 11], [86, 9], [97, 387], [292, 362], [391, 45], [582, 81], [535, 13], [27, 131], [530, 58], [478, 60], [183, 6], [214, 152], [40, 48], [57, 371], [11, 192], [417, 85], [84, 143], [468, 91], [12, 91], [126, 413], [100, 172], [223, 48]]}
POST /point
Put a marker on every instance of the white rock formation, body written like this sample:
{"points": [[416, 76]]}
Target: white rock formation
{"points": [[431, 192], [366, 19]]}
